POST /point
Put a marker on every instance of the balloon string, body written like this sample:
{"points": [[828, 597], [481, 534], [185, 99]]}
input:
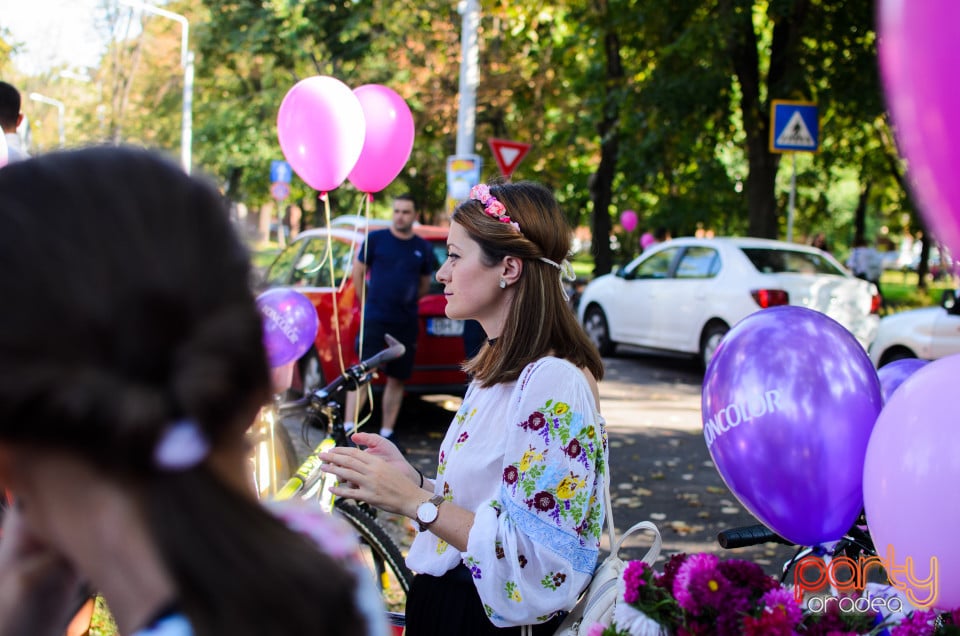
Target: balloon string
{"points": [[336, 299], [365, 207]]}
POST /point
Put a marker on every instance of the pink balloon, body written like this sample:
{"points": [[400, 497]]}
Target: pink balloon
{"points": [[321, 129], [628, 220], [918, 52], [647, 240], [389, 138], [911, 466]]}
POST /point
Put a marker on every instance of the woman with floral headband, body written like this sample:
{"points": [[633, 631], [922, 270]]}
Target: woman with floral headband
{"points": [[510, 527], [131, 364]]}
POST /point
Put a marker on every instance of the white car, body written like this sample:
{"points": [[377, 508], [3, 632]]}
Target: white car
{"points": [[928, 333], [683, 295]]}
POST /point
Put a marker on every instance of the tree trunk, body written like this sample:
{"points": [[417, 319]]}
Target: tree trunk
{"points": [[860, 216], [782, 82], [601, 182], [763, 218], [922, 267]]}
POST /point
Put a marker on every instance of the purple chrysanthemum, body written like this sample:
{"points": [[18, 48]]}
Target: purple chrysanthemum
{"points": [[699, 584], [920, 623], [780, 598], [633, 580]]}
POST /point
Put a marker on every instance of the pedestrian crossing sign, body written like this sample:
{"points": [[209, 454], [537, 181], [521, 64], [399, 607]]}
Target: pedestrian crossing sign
{"points": [[794, 127]]}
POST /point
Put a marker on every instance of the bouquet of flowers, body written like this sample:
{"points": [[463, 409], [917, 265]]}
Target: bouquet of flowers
{"points": [[700, 594]]}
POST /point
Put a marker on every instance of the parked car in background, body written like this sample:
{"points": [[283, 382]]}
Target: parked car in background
{"points": [[684, 295], [318, 264], [928, 333]]}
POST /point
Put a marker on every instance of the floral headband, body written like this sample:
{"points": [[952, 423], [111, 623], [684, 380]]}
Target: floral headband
{"points": [[491, 205]]}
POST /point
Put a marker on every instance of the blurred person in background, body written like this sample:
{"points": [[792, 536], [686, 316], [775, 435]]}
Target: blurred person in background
{"points": [[401, 265], [10, 118]]}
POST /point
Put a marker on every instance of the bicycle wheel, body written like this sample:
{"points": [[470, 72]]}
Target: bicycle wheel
{"points": [[272, 456], [381, 554]]}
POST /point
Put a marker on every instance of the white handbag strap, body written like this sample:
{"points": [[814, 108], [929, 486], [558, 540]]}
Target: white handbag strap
{"points": [[608, 503], [649, 526]]}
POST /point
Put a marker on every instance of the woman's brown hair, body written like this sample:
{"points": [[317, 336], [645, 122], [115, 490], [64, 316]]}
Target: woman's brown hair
{"points": [[540, 321]]}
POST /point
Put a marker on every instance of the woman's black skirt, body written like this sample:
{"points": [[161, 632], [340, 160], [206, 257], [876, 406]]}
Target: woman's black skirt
{"points": [[449, 604]]}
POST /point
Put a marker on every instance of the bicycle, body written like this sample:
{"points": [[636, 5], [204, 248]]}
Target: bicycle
{"points": [[273, 449], [854, 544]]}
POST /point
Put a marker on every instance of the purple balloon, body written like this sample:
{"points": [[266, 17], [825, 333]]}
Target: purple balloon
{"points": [[290, 324], [789, 400], [892, 375], [912, 465]]}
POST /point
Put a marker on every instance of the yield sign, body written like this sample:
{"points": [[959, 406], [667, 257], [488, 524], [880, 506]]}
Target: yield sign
{"points": [[508, 154]]}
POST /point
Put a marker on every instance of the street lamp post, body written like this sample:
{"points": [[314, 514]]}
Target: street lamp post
{"points": [[186, 63], [469, 75], [49, 101]]}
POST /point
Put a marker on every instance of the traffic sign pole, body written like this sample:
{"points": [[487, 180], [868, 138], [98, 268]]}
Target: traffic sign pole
{"points": [[794, 127]]}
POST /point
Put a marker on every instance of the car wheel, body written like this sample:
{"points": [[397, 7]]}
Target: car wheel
{"points": [[311, 373], [710, 342], [595, 324], [894, 354]]}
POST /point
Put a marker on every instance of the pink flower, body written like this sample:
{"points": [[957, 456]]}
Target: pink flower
{"points": [[699, 584], [917, 624], [781, 601], [595, 630], [496, 209], [480, 192], [633, 580]]}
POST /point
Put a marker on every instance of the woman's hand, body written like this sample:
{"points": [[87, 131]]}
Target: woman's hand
{"points": [[386, 450], [38, 588], [378, 475]]}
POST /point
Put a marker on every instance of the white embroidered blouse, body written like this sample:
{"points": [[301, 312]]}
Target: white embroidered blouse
{"points": [[529, 458]]}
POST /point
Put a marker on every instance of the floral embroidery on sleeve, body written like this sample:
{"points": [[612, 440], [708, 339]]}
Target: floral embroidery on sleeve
{"points": [[547, 488], [474, 566], [513, 592], [553, 580], [442, 464]]}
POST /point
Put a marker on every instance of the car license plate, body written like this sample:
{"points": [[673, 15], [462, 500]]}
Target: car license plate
{"points": [[444, 327]]}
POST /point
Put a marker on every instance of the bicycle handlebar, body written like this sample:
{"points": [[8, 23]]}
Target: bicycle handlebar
{"points": [[749, 535], [354, 376]]}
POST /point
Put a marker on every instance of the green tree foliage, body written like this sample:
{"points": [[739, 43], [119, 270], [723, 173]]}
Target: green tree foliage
{"points": [[661, 106]]}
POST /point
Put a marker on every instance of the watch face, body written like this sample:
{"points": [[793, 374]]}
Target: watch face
{"points": [[427, 512]]}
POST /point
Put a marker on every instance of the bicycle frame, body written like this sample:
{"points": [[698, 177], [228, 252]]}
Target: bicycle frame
{"points": [[323, 405]]}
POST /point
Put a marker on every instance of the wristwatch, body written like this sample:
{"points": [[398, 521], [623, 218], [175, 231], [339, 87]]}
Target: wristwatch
{"points": [[427, 511]]}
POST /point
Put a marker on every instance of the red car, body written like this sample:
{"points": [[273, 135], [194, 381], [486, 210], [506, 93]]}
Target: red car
{"points": [[318, 262]]}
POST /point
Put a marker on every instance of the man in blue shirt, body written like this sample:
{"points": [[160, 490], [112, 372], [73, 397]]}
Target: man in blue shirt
{"points": [[400, 266]]}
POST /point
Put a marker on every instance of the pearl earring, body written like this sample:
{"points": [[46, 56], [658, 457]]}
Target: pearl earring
{"points": [[503, 284]]}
